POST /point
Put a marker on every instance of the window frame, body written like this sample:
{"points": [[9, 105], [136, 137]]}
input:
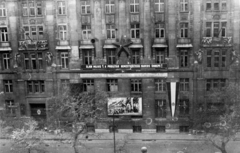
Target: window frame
{"points": [[3, 10], [62, 9], [136, 85], [184, 58], [211, 82], [184, 30], [160, 30], [6, 61], [8, 86], [86, 32], [62, 32], [64, 56], [111, 31], [38, 60], [135, 31], [87, 56], [88, 85], [137, 129], [160, 85], [87, 7], [184, 107], [160, 108], [159, 6], [136, 57], [184, 84], [4, 34], [160, 55], [212, 30], [221, 5], [134, 6], [35, 86], [10, 107], [214, 60], [111, 56], [112, 83], [184, 5], [109, 6]]}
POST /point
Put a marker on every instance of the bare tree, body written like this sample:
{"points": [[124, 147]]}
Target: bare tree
{"points": [[23, 132], [220, 123], [71, 110]]}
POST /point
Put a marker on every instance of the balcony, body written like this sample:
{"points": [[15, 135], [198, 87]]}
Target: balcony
{"points": [[217, 41], [33, 45], [184, 43], [160, 42], [5, 46]]}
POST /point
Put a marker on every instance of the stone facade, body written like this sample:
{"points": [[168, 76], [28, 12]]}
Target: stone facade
{"points": [[116, 43]]}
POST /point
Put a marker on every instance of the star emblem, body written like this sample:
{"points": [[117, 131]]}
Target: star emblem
{"points": [[123, 45]]}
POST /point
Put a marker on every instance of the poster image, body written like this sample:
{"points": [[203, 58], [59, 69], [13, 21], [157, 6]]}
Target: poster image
{"points": [[125, 106]]}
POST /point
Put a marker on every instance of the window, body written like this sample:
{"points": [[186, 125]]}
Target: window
{"points": [[111, 32], [184, 84], [112, 85], [6, 61], [61, 8], [137, 129], [86, 31], [65, 83], [111, 56], [8, 86], [184, 5], [35, 86], [216, 29], [215, 84], [4, 34], [109, 6], [136, 85], [160, 31], [87, 56], [135, 31], [135, 56], [85, 5], [183, 58], [33, 60], [113, 129], [216, 5], [160, 129], [159, 6], [161, 108], [62, 32], [33, 32], [134, 6], [160, 55], [88, 85], [183, 129], [215, 107], [64, 60], [10, 108], [183, 107], [2, 10], [31, 8], [216, 58], [90, 129], [184, 30], [160, 84]]}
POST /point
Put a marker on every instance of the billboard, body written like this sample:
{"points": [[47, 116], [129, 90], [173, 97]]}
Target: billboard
{"points": [[125, 106]]}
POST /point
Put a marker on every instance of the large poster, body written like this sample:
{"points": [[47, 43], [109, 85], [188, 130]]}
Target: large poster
{"points": [[125, 106]]}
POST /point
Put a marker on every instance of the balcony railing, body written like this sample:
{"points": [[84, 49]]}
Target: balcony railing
{"points": [[33, 45], [217, 41]]}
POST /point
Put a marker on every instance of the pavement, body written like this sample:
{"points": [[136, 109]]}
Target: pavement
{"points": [[127, 143]]}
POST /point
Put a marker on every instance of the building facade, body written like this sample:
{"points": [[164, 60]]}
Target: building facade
{"points": [[157, 58]]}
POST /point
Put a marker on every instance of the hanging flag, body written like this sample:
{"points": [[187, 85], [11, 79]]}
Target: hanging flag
{"points": [[172, 95]]}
